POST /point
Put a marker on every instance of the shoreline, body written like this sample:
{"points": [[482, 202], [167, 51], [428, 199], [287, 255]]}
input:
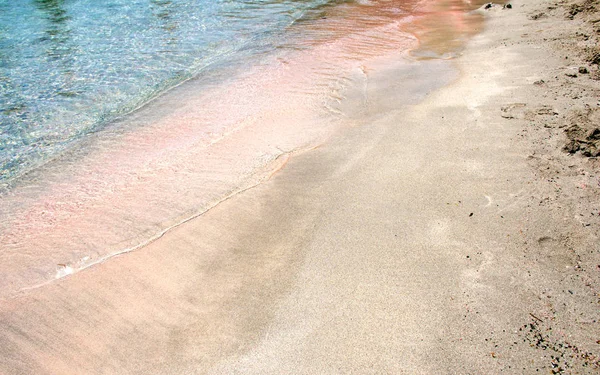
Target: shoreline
{"points": [[122, 189], [447, 235]]}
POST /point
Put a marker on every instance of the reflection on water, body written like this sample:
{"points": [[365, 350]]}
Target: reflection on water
{"points": [[163, 11], [442, 27], [445, 27], [57, 31], [59, 48]]}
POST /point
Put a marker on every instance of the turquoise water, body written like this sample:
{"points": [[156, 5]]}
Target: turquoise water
{"points": [[85, 179], [69, 67]]}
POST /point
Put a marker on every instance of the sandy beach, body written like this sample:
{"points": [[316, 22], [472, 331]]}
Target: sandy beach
{"points": [[449, 226]]}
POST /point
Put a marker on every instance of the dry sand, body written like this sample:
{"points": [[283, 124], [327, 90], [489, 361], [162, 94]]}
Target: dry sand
{"points": [[449, 235]]}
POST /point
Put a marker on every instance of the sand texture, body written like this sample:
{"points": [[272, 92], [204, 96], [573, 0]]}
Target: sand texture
{"points": [[445, 229]]}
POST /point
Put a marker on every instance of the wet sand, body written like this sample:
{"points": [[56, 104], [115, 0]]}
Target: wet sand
{"points": [[448, 234], [200, 143]]}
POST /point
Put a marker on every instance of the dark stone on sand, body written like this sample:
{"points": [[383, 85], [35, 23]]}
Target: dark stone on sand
{"points": [[593, 134], [572, 147], [583, 70], [537, 16], [591, 151], [575, 132], [572, 75], [546, 110], [574, 10]]}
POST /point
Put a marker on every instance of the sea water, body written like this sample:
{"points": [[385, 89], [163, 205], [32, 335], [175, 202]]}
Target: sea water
{"points": [[69, 67], [123, 119]]}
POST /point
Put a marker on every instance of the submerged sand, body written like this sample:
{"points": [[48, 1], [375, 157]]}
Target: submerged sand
{"points": [[204, 141], [449, 234]]}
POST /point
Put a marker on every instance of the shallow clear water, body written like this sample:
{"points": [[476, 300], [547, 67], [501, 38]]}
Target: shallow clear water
{"points": [[68, 67], [271, 79]]}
